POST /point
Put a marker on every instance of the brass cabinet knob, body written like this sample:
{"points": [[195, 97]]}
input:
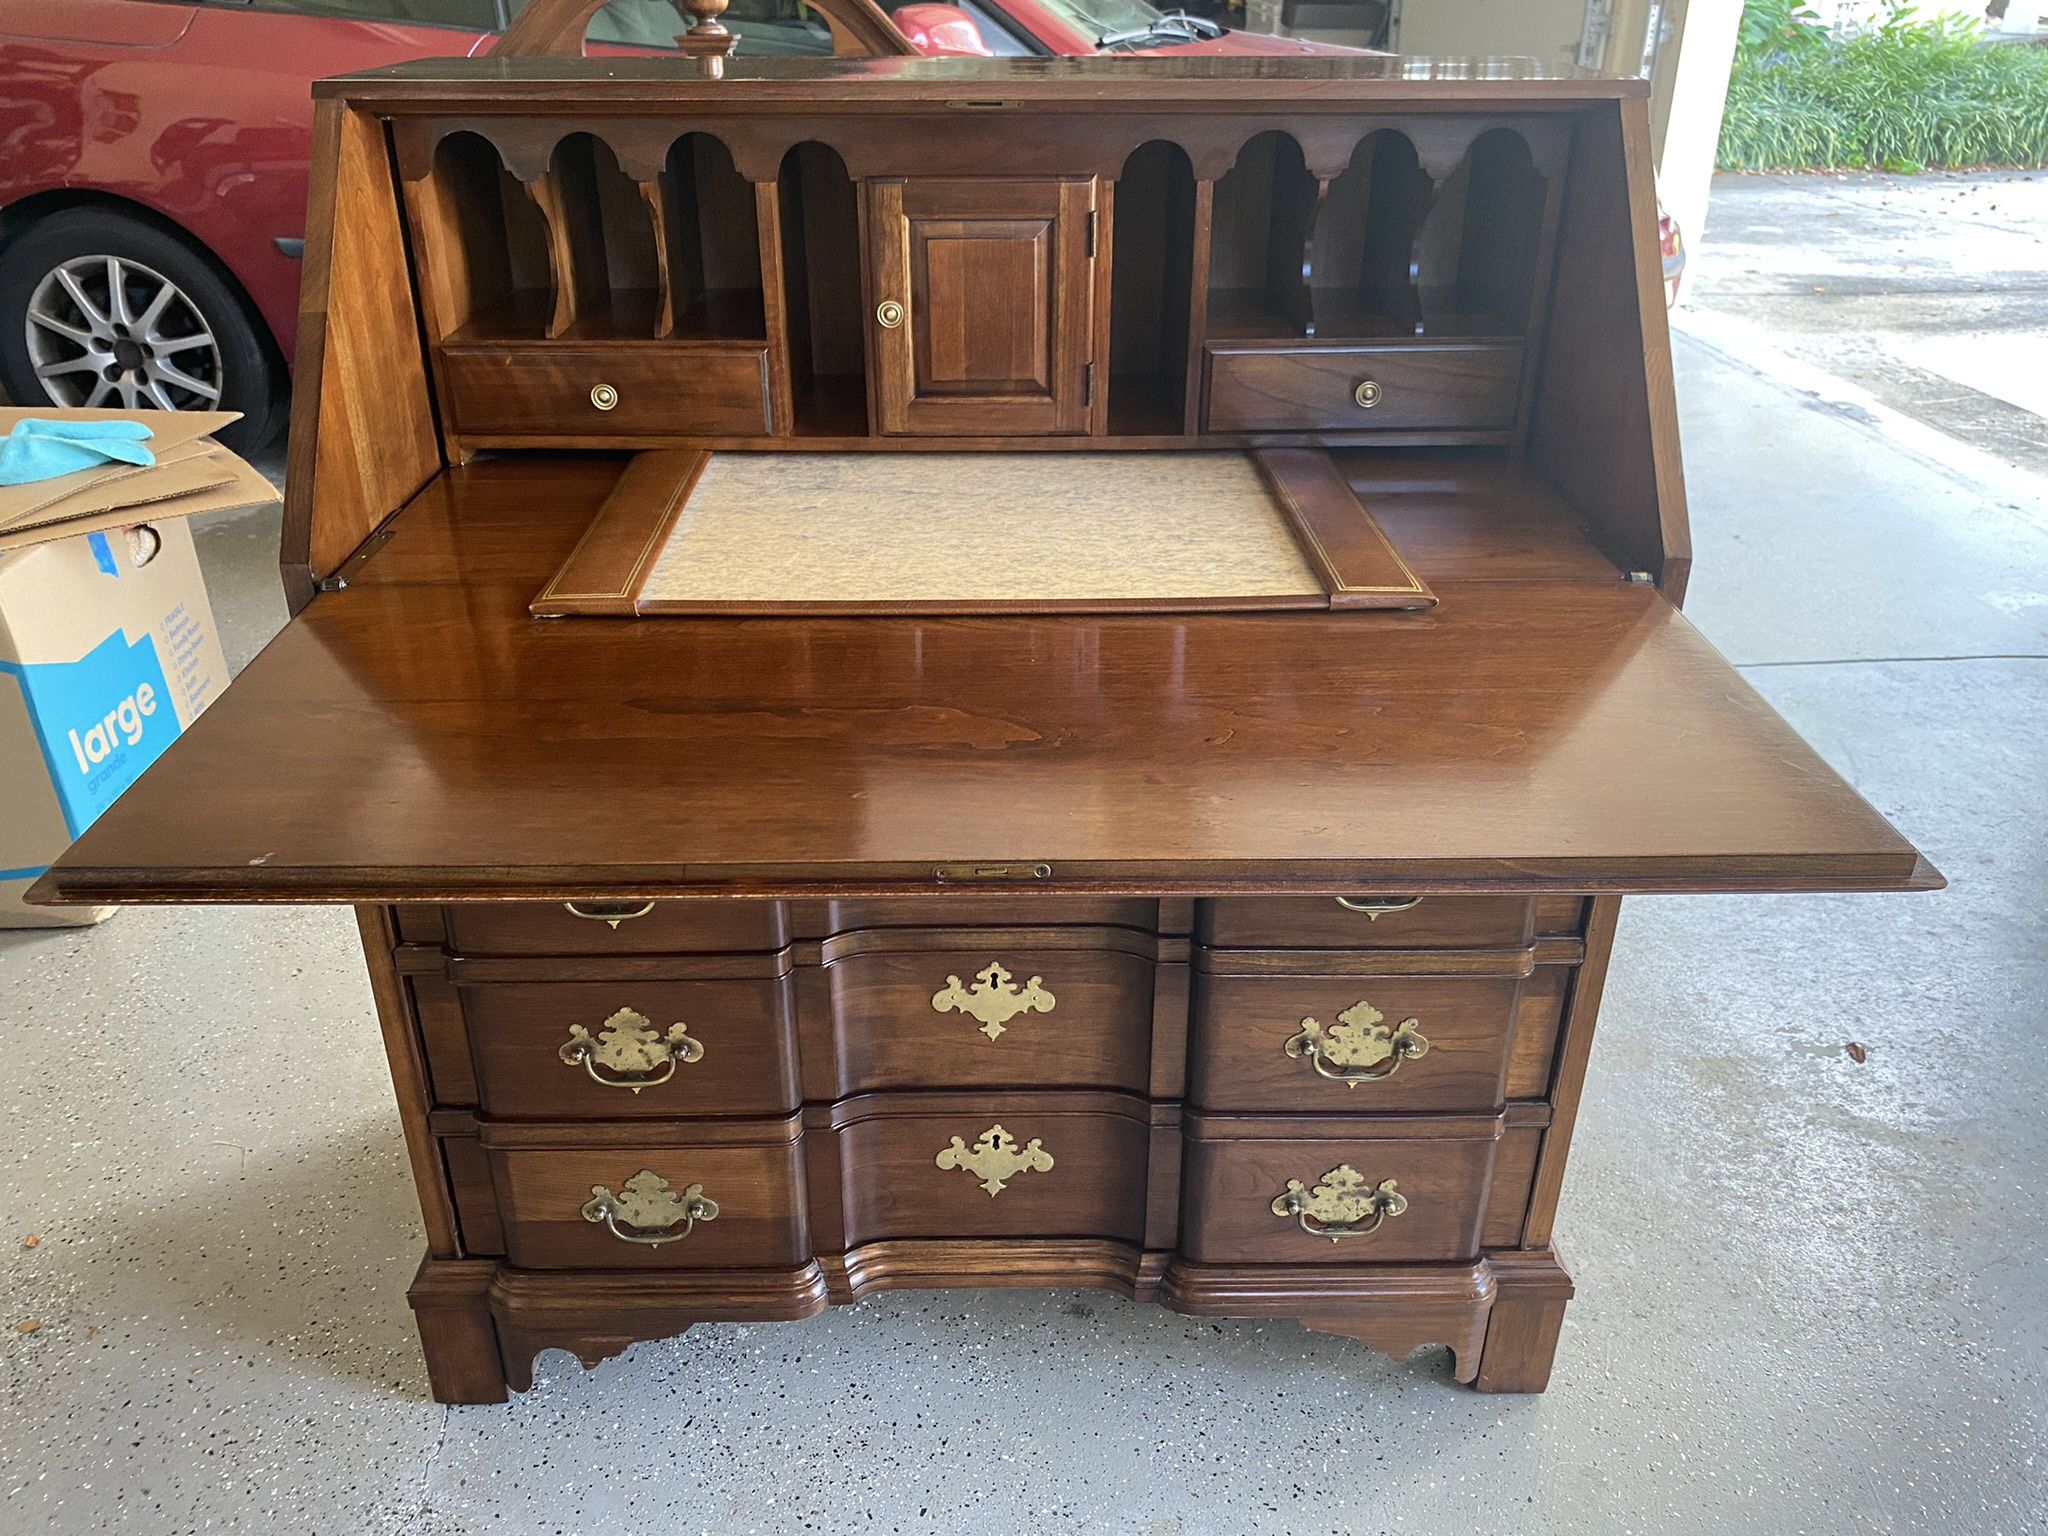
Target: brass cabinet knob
{"points": [[1360, 1047], [1367, 394], [603, 396], [629, 1052], [1339, 1205], [647, 1211], [889, 314]]}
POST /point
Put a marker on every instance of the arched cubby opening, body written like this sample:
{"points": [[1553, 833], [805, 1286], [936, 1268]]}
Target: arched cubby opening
{"points": [[1259, 228], [821, 266], [1151, 269], [492, 244]]}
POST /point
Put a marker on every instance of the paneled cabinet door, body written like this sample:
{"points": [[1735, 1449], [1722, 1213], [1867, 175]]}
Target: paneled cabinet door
{"points": [[983, 304]]}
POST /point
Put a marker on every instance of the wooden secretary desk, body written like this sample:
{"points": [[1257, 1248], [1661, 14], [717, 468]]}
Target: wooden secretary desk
{"points": [[945, 673]]}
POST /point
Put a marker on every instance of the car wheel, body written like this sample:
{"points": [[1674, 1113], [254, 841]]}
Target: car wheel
{"points": [[99, 309]]}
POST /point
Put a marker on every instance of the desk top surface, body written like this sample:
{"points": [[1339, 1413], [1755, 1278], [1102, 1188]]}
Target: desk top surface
{"points": [[418, 736]]}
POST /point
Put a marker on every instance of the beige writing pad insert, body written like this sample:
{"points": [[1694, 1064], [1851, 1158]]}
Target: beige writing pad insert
{"points": [[959, 533]]}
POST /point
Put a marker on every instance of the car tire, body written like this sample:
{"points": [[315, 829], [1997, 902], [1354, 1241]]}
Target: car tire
{"points": [[198, 346]]}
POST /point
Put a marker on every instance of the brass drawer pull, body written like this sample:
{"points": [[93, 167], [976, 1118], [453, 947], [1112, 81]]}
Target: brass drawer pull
{"points": [[630, 1047], [647, 1205], [995, 998], [888, 314], [603, 396], [1375, 910], [1359, 1047], [1340, 1200], [996, 1158], [1368, 394], [613, 912]]}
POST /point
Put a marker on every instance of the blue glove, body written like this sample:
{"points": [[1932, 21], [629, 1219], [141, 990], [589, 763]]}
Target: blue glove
{"points": [[43, 450]]}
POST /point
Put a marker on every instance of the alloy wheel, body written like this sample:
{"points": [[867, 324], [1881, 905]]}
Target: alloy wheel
{"points": [[107, 331]]}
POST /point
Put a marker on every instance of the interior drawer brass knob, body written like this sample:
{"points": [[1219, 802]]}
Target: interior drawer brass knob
{"points": [[889, 314], [603, 396], [1368, 394], [1359, 1047], [1374, 908], [1339, 1203], [629, 1052], [647, 1211]]}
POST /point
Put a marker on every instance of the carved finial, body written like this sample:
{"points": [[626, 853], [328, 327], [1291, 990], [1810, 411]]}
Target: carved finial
{"points": [[707, 41]]}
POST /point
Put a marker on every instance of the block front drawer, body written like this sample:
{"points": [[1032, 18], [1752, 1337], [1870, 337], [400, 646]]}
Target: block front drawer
{"points": [[1027, 1007], [1450, 386], [1291, 1190], [728, 1195], [553, 390], [1393, 921], [614, 927], [634, 1049], [990, 1165], [1350, 1044]]}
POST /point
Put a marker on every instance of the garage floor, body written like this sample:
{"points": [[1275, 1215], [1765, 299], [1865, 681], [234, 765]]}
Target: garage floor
{"points": [[1814, 1293]]}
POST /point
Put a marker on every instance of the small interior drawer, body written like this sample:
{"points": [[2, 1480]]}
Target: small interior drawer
{"points": [[551, 390], [1448, 386], [1391, 920], [1350, 1044], [614, 927], [548, 1177], [634, 1049], [1240, 1173]]}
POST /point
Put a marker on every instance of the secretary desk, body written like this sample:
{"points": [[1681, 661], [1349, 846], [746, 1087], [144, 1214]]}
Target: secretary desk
{"points": [[945, 673]]}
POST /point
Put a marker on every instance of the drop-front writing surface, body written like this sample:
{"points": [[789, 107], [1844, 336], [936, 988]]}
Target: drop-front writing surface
{"points": [[1246, 962]]}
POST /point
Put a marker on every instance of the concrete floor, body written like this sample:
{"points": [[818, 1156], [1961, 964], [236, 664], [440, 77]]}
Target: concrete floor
{"points": [[1813, 1292]]}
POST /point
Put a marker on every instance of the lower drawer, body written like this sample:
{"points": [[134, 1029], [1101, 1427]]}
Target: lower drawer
{"points": [[554, 390], [634, 1049], [1295, 1190], [721, 1195], [1350, 1044], [1446, 386], [991, 1165], [1001, 1008]]}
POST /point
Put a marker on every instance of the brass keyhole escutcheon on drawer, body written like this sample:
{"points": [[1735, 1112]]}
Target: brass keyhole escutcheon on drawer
{"points": [[889, 314], [603, 396], [1360, 1047], [1368, 394], [1340, 1204], [995, 1158], [652, 1211], [995, 998], [629, 1052]]}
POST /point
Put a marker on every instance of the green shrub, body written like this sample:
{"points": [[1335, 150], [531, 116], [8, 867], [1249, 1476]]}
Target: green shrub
{"points": [[1914, 92]]}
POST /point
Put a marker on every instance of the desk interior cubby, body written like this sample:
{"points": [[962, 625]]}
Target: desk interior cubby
{"points": [[1152, 261], [1383, 250], [821, 281]]}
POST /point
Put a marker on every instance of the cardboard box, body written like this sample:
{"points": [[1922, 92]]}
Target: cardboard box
{"points": [[108, 652]]}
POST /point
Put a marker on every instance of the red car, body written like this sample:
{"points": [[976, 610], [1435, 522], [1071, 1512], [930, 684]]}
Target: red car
{"points": [[154, 154]]}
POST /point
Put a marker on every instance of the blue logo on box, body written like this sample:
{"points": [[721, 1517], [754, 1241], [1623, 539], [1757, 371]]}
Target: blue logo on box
{"points": [[100, 721]]}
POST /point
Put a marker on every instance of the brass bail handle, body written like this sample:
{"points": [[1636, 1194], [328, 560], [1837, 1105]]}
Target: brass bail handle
{"points": [[1359, 1047], [650, 1208], [1373, 908], [1340, 1204], [613, 912], [629, 1052]]}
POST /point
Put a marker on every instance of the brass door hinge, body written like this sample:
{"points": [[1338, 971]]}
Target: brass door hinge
{"points": [[1088, 385], [1092, 217]]}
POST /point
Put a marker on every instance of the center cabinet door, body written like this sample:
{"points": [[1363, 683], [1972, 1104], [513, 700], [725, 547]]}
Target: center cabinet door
{"points": [[984, 312]]}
